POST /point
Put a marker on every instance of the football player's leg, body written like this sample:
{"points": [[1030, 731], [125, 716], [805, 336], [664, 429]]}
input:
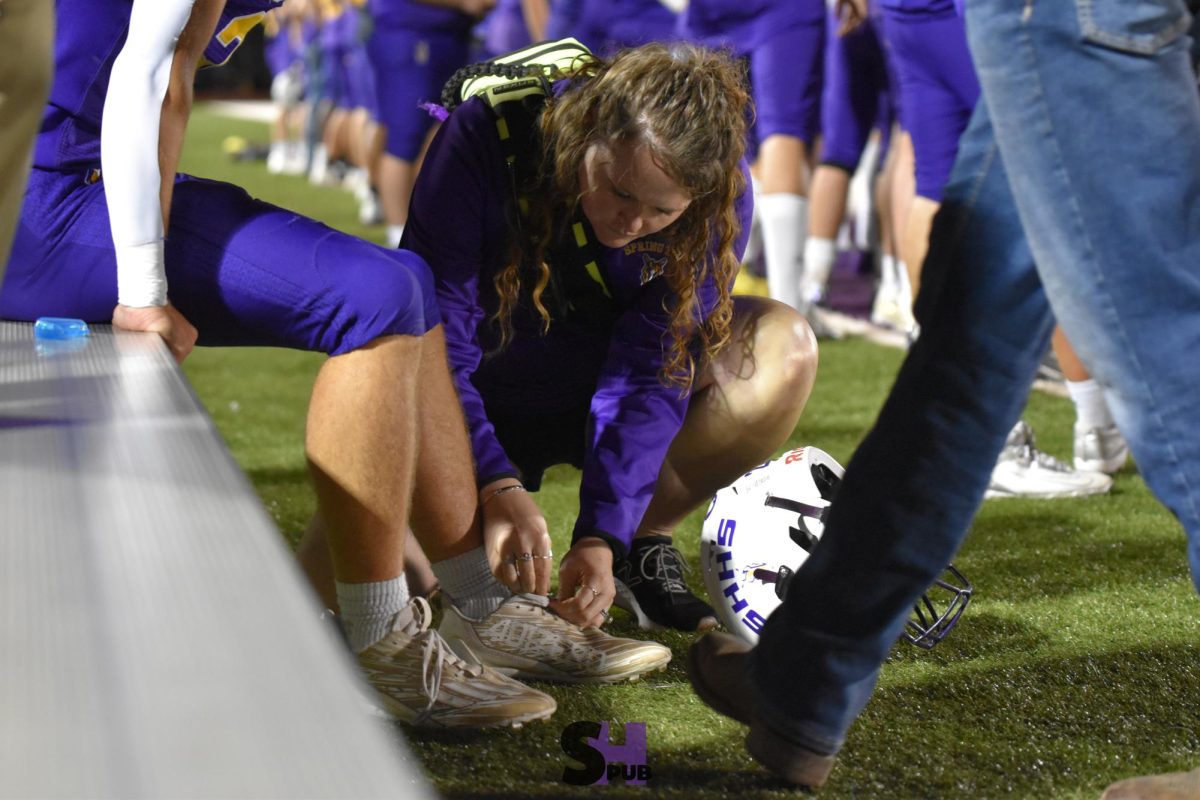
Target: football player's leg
{"points": [[410, 68], [786, 125], [251, 273], [849, 105], [248, 273], [940, 87]]}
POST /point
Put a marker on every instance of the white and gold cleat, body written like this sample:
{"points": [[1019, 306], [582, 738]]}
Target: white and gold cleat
{"points": [[421, 682], [523, 638]]}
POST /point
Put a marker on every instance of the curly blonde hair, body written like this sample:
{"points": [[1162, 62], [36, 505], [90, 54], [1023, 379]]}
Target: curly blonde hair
{"points": [[690, 106]]}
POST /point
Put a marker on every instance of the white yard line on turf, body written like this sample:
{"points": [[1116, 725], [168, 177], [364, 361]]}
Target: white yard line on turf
{"points": [[255, 110]]}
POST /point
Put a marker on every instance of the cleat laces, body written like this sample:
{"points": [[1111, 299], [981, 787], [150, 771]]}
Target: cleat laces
{"points": [[668, 567]]}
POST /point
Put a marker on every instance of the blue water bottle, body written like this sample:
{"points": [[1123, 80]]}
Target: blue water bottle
{"points": [[59, 328]]}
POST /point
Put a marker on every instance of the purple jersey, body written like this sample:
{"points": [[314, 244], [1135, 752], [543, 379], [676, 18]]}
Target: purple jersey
{"points": [[70, 130], [741, 25], [458, 224]]}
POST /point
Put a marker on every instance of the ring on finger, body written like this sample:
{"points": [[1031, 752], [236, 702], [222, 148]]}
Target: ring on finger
{"points": [[525, 557], [539, 555], [590, 589]]}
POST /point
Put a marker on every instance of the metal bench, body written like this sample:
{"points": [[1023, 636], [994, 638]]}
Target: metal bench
{"points": [[157, 639]]}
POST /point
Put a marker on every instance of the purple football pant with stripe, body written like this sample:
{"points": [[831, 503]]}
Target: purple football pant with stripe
{"points": [[244, 272]]}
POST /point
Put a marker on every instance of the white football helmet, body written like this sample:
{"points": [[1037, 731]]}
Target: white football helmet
{"points": [[761, 528]]}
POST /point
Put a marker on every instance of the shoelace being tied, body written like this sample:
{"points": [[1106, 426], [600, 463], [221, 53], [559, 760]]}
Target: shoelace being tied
{"points": [[435, 655]]}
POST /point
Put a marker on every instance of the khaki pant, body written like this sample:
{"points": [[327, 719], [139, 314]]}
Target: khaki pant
{"points": [[26, 67]]}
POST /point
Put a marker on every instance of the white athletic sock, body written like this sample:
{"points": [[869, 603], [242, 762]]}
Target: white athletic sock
{"points": [[754, 239], [887, 275], [819, 257], [319, 167], [367, 610], [860, 197], [904, 295], [277, 156], [394, 232], [1091, 409], [784, 225], [468, 581]]}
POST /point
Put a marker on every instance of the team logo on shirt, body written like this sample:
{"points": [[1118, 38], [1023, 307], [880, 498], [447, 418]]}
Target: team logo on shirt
{"points": [[654, 257], [652, 267]]}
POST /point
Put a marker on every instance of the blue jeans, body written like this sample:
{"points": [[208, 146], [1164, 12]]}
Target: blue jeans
{"points": [[1098, 129]]}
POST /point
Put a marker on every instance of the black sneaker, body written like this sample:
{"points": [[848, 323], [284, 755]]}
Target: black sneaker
{"points": [[650, 586]]}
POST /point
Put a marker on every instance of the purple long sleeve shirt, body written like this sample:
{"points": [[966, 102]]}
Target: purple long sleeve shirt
{"points": [[457, 223]]}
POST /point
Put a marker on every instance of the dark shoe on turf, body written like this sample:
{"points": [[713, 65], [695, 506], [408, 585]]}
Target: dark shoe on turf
{"points": [[718, 666], [1172, 786], [650, 586]]}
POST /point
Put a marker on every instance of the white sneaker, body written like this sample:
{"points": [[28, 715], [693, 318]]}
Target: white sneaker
{"points": [[1024, 471], [370, 211], [276, 158], [822, 328], [523, 638], [420, 681], [1100, 449]]}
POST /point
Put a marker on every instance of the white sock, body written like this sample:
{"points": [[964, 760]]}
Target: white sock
{"points": [[469, 583], [276, 156], [887, 275], [861, 196], [819, 257], [319, 167], [904, 294], [394, 232], [367, 610], [1091, 410], [784, 224], [754, 239]]}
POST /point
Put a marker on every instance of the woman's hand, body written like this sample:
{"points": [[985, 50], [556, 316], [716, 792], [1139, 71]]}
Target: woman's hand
{"points": [[585, 583], [515, 537]]}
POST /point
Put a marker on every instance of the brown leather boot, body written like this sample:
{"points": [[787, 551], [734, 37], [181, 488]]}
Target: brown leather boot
{"points": [[1172, 786], [719, 668]]}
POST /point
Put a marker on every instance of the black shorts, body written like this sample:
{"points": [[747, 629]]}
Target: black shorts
{"points": [[534, 442]]}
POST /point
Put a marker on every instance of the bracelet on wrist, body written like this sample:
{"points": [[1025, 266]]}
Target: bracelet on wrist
{"points": [[515, 487]]}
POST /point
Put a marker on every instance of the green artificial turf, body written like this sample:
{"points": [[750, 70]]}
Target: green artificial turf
{"points": [[1077, 662]]}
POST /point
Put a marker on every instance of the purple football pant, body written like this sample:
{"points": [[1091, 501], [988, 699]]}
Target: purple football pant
{"points": [[785, 77], [244, 272], [855, 97], [938, 90], [410, 68]]}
